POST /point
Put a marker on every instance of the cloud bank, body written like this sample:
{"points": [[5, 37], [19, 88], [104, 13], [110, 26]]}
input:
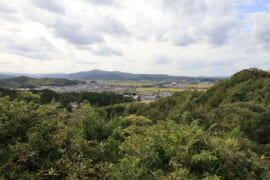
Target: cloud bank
{"points": [[178, 37]]}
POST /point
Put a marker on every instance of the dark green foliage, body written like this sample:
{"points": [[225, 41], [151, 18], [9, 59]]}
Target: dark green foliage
{"points": [[223, 133], [253, 120], [187, 151], [96, 99], [65, 99], [7, 92], [46, 96], [43, 142], [160, 110]]}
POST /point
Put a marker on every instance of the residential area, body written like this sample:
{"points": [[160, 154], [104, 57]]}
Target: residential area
{"points": [[146, 91]]}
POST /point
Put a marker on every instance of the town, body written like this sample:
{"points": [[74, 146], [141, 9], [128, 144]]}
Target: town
{"points": [[145, 91]]}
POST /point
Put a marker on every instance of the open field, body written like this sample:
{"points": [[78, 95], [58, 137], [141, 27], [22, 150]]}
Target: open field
{"points": [[199, 85], [166, 89]]}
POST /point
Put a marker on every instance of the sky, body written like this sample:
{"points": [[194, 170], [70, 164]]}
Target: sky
{"points": [[176, 37]]}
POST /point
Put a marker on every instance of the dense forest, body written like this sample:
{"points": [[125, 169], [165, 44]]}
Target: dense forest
{"points": [[26, 82], [68, 99], [220, 134]]}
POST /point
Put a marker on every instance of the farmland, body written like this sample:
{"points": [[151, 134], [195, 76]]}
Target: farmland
{"points": [[154, 90]]}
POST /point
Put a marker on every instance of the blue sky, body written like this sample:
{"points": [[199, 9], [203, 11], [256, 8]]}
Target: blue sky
{"points": [[257, 6], [178, 37]]}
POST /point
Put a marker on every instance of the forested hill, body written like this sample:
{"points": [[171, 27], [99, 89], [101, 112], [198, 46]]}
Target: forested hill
{"points": [[26, 82], [242, 100], [223, 133], [247, 85]]}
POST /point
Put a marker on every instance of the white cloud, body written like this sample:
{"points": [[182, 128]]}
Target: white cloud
{"points": [[49, 5], [261, 29], [181, 37]]}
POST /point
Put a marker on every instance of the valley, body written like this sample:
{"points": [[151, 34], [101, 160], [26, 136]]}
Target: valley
{"points": [[218, 133], [144, 88]]}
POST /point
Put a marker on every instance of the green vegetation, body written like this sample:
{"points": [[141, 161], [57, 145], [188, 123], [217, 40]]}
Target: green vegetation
{"points": [[26, 82], [94, 98], [220, 134], [199, 85], [67, 99]]}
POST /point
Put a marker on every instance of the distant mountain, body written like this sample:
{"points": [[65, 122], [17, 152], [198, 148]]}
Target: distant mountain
{"points": [[116, 75], [5, 76], [27, 82]]}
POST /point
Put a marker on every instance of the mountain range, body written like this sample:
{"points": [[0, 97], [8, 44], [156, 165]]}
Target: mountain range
{"points": [[6, 76], [109, 75]]}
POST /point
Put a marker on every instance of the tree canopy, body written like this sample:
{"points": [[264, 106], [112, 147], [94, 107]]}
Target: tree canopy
{"points": [[223, 133]]}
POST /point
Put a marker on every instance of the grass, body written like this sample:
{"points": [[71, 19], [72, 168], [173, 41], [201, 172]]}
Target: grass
{"points": [[199, 85]]}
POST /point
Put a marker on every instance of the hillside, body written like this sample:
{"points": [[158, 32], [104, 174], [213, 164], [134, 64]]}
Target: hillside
{"points": [[223, 133], [242, 100], [26, 82], [247, 85]]}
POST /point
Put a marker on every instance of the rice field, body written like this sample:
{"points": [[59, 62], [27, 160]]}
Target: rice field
{"points": [[199, 85], [154, 90]]}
